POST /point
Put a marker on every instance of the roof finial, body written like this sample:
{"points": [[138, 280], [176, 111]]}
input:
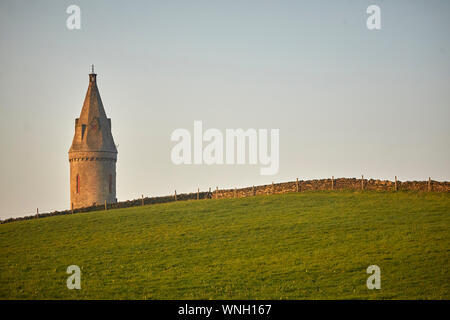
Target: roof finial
{"points": [[92, 66]]}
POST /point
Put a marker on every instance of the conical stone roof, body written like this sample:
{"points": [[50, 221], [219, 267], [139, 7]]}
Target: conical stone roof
{"points": [[93, 128]]}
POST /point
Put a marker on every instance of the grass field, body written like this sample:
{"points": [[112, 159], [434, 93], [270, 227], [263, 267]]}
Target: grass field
{"points": [[312, 245]]}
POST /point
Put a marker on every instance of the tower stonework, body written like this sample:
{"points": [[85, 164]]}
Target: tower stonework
{"points": [[93, 154]]}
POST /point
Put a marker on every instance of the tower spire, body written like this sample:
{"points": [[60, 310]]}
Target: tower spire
{"points": [[92, 68], [93, 128]]}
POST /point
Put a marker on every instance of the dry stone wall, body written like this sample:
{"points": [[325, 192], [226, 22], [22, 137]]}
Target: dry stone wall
{"points": [[334, 184], [276, 188]]}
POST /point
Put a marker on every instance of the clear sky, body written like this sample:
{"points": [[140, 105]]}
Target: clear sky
{"points": [[348, 101]]}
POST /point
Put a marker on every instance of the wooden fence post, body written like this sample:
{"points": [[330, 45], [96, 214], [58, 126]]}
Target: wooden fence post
{"points": [[71, 207], [106, 208], [175, 195], [296, 185], [142, 200], [395, 185], [273, 188], [362, 182], [37, 212], [332, 182], [253, 190], [198, 193], [429, 184], [235, 192]]}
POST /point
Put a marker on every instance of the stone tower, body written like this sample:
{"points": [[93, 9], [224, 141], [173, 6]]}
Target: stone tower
{"points": [[93, 154]]}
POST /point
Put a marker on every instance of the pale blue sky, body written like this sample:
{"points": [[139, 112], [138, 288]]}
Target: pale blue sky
{"points": [[348, 101]]}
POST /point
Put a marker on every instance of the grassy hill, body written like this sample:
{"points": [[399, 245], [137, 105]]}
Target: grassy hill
{"points": [[314, 245]]}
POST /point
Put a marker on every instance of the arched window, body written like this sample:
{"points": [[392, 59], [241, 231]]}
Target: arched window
{"points": [[78, 183], [110, 183]]}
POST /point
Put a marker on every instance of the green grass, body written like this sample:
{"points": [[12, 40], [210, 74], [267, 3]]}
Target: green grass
{"points": [[313, 245]]}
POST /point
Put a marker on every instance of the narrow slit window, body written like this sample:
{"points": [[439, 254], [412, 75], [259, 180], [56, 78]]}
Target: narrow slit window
{"points": [[78, 183], [83, 129]]}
